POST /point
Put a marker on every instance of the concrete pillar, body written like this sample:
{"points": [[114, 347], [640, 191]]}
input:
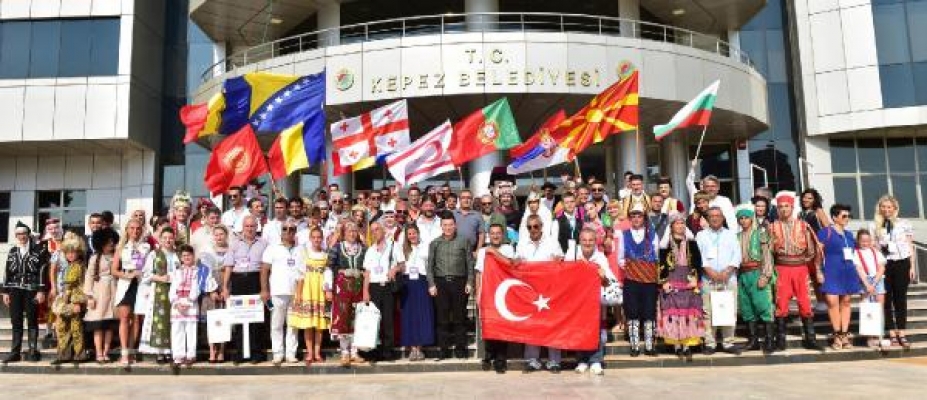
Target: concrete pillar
{"points": [[745, 181], [344, 181], [631, 10], [632, 154], [289, 185], [612, 175], [329, 17], [481, 168], [674, 157], [733, 39]]}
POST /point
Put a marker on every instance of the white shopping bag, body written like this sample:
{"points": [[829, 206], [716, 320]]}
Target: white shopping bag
{"points": [[218, 326], [723, 308], [870, 318], [366, 326]]}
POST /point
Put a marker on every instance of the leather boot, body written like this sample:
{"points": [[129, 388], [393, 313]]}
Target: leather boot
{"points": [[769, 345], [753, 341], [16, 348], [780, 335], [649, 339], [809, 341], [634, 337], [34, 354]]}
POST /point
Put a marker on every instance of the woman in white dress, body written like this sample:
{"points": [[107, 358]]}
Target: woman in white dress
{"points": [[128, 262]]}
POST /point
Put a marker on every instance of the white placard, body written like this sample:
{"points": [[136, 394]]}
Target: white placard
{"points": [[245, 309]]}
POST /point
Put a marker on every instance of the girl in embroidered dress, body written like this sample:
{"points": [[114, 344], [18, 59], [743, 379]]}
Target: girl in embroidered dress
{"points": [[313, 291], [70, 301], [160, 264], [345, 260]]}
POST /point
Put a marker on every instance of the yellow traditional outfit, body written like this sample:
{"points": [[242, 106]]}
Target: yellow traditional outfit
{"points": [[309, 311]]}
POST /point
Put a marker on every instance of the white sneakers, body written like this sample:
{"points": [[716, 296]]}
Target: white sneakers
{"points": [[595, 369]]}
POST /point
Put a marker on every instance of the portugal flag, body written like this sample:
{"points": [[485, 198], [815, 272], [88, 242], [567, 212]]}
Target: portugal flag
{"points": [[485, 131], [235, 161], [554, 304]]}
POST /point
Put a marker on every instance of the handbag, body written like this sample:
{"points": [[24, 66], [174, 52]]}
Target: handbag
{"points": [[871, 318], [723, 308], [366, 326], [611, 293]]}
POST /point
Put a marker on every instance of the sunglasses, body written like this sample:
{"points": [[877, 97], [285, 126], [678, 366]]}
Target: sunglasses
{"points": [[534, 227], [289, 229], [336, 201], [597, 190], [374, 197], [844, 216], [234, 196], [401, 212]]}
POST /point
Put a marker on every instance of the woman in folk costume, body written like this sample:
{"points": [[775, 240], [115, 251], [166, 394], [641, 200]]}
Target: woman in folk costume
{"points": [[51, 240], [756, 278], [345, 260], [99, 287], [313, 291], [681, 312], [131, 296], [181, 205], [70, 301], [212, 258], [616, 221], [160, 264]]}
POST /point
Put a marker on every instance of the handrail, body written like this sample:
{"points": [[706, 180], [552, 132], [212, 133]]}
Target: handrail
{"points": [[476, 22], [918, 247]]}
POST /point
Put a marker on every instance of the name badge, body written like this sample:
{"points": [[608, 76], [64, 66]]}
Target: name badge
{"points": [[291, 262], [413, 273], [848, 254], [378, 270], [893, 248], [712, 253]]}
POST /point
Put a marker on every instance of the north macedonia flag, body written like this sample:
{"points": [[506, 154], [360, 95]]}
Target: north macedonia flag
{"points": [[612, 111]]}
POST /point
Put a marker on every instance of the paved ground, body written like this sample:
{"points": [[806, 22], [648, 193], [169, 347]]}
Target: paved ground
{"points": [[901, 379]]}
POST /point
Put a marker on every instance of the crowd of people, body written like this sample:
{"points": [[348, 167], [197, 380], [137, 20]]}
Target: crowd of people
{"points": [[418, 258]]}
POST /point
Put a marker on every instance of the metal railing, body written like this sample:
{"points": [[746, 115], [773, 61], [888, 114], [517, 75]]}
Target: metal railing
{"points": [[920, 260], [476, 22]]}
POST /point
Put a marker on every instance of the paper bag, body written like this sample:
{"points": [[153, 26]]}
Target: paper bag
{"points": [[870, 318], [366, 326], [218, 326], [723, 308]]}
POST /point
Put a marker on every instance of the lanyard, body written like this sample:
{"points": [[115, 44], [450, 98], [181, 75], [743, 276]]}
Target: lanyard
{"points": [[862, 260]]}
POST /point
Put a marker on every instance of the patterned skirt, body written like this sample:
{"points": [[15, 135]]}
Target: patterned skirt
{"points": [[348, 292], [309, 312], [681, 311]]}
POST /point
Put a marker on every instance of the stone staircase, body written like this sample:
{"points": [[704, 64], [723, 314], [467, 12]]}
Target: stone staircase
{"points": [[616, 353]]}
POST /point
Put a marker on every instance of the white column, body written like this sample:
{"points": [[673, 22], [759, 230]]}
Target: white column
{"points": [[329, 17], [675, 163], [481, 168], [733, 39], [629, 9], [630, 151]]}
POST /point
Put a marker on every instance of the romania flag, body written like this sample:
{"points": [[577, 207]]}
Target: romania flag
{"points": [[612, 111], [202, 120]]}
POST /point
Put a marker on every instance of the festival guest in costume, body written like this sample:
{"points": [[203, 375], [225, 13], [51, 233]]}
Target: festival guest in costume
{"points": [[345, 260], [841, 279], [638, 257], [24, 291], [566, 227], [895, 236], [755, 279], [51, 240], [128, 263], [417, 319], [636, 198], [592, 360], [794, 246], [720, 260], [213, 259], [698, 220], [496, 356], [70, 301], [313, 291], [187, 283], [681, 314], [670, 203], [870, 265], [656, 217], [199, 218], [99, 287], [159, 265], [616, 222], [594, 223], [181, 205], [761, 210]]}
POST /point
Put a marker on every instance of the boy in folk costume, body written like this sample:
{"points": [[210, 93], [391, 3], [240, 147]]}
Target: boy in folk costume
{"points": [[756, 278], [70, 301], [794, 247], [181, 204], [187, 283]]}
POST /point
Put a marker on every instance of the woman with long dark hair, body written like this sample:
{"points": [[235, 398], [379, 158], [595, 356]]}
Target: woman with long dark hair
{"points": [[417, 319], [99, 287]]}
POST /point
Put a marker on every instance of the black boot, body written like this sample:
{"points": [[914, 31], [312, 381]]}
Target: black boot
{"points": [[649, 339], [34, 354], [753, 341], [809, 341], [780, 335], [769, 344], [16, 348], [634, 337]]}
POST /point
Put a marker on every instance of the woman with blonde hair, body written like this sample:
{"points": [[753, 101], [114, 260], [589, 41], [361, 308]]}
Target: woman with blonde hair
{"points": [[895, 237], [127, 265]]}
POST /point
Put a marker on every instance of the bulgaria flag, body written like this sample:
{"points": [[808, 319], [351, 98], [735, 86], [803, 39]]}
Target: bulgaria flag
{"points": [[485, 131], [696, 113]]}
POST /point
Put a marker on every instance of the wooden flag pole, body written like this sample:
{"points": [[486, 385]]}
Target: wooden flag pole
{"points": [[579, 173], [698, 149], [637, 142], [460, 175]]}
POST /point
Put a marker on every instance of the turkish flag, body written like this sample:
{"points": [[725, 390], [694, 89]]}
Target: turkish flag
{"points": [[554, 304], [235, 161]]}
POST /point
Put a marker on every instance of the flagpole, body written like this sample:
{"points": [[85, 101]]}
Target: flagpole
{"points": [[579, 173], [698, 149], [637, 141], [460, 175]]}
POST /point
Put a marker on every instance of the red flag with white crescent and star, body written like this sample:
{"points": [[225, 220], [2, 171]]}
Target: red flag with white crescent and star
{"points": [[554, 304]]}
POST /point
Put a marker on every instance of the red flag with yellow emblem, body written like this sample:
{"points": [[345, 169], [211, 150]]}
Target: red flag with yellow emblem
{"points": [[612, 111], [235, 161]]}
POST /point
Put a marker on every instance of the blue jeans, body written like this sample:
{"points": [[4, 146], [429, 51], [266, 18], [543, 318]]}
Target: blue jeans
{"points": [[592, 357]]}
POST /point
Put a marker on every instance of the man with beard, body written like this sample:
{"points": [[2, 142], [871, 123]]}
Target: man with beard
{"points": [[656, 217], [549, 199], [429, 225], [599, 198], [415, 202], [489, 217], [636, 197]]}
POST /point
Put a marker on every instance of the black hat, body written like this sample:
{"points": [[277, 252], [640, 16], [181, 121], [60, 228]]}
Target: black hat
{"points": [[548, 185], [21, 226]]}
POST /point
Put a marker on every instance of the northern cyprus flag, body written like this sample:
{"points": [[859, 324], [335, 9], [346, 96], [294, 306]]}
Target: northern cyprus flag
{"points": [[696, 113]]}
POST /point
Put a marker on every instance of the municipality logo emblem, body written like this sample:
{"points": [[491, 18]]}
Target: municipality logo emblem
{"points": [[488, 132], [344, 79]]}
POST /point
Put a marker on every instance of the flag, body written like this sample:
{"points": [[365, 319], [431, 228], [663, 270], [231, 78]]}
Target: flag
{"points": [[297, 111], [696, 112], [289, 152], [369, 138], [553, 304], [542, 149], [245, 94], [235, 161], [202, 120], [425, 158], [484, 131], [614, 110]]}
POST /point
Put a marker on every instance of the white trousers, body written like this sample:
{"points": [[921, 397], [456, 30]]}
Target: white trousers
{"points": [[277, 325], [183, 340]]}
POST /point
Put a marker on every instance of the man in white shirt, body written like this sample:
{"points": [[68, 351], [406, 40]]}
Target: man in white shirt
{"points": [[282, 265], [592, 360], [379, 269], [539, 248], [202, 237], [721, 258], [712, 185], [429, 225], [233, 217], [271, 232], [639, 258], [496, 354]]}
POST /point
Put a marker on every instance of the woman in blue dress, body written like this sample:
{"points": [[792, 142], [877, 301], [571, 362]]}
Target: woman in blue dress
{"points": [[840, 277]]}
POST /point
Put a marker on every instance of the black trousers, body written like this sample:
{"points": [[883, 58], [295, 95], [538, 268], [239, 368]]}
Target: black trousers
{"points": [[640, 300], [22, 301], [382, 298], [897, 279], [496, 350], [451, 312], [245, 284]]}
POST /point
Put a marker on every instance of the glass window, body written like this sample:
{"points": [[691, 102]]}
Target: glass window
{"points": [[871, 155], [923, 182], [775, 45], [845, 192], [75, 48], [904, 188], [891, 33], [842, 156], [46, 38], [922, 154], [901, 155], [104, 51], [14, 49], [917, 30], [66, 205], [873, 187], [919, 70], [897, 85], [4, 216]]}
